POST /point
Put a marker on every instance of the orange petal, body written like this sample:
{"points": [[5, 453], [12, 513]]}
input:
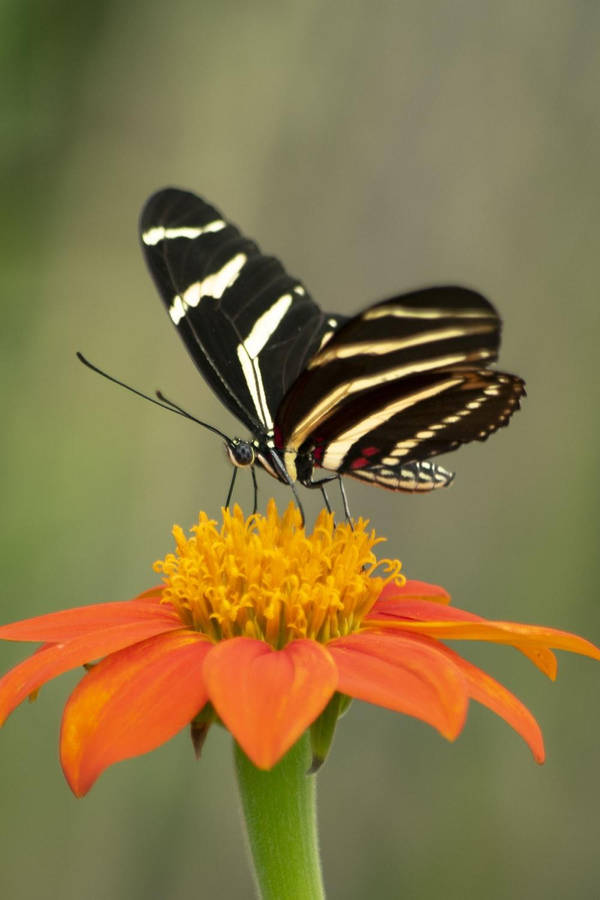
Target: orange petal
{"points": [[267, 698], [414, 590], [407, 675], [54, 659], [491, 693], [71, 623], [152, 594], [513, 633], [130, 703], [394, 613], [418, 609], [542, 658]]}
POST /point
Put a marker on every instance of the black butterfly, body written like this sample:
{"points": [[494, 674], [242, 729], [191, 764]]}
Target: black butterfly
{"points": [[373, 396]]}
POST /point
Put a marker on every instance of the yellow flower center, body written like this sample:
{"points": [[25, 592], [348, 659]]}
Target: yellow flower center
{"points": [[265, 577]]}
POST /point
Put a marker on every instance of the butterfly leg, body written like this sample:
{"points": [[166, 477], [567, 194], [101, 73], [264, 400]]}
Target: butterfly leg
{"points": [[298, 502], [345, 501], [325, 498], [282, 474], [230, 491], [321, 485], [255, 505], [317, 484]]}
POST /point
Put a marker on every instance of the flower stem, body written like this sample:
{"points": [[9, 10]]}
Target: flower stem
{"points": [[281, 825]]}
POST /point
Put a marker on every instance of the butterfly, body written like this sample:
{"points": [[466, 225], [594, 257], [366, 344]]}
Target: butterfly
{"points": [[373, 396]]}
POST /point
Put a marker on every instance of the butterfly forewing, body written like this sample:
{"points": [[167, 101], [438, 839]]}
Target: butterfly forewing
{"points": [[249, 327]]}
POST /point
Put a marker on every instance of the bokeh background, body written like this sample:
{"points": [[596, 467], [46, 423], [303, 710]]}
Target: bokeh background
{"points": [[374, 147]]}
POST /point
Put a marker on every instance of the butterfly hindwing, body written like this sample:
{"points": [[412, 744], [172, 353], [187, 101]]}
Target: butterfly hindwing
{"points": [[402, 381], [412, 422]]}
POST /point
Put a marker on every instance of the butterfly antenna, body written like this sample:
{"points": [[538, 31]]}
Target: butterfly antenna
{"points": [[169, 404], [162, 401]]}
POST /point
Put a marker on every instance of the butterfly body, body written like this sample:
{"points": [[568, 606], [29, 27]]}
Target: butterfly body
{"points": [[373, 396]]}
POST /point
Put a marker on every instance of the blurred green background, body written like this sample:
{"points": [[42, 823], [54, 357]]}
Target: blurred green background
{"points": [[374, 147]]}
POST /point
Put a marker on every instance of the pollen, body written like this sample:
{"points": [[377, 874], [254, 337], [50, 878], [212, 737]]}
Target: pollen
{"points": [[265, 577]]}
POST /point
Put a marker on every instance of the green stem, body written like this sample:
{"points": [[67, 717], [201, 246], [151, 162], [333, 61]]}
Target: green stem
{"points": [[281, 825]]}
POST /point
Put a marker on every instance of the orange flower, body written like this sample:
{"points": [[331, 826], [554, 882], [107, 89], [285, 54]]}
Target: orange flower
{"points": [[259, 624]]}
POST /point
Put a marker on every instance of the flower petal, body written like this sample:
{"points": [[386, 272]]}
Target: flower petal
{"points": [[267, 698], [152, 594], [418, 609], [489, 692], [130, 703], [55, 659], [414, 590], [71, 623], [398, 612], [542, 658], [514, 633], [407, 675]]}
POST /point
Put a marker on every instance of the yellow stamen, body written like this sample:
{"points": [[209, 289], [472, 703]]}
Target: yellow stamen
{"points": [[264, 577]]}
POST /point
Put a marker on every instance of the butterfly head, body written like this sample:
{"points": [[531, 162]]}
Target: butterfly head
{"points": [[241, 453]]}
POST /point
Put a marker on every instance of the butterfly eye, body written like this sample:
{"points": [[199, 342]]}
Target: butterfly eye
{"points": [[241, 453]]}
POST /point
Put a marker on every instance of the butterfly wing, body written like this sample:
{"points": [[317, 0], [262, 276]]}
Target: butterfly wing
{"points": [[249, 326], [404, 380]]}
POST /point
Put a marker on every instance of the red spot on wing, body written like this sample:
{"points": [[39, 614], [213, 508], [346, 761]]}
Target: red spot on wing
{"points": [[318, 450], [359, 463], [277, 437], [369, 451]]}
